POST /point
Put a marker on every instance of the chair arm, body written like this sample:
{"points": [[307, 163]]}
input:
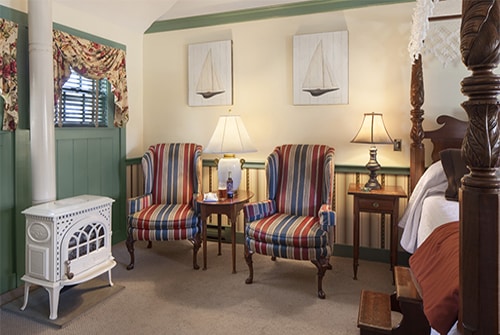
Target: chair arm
{"points": [[258, 210], [139, 203], [326, 217]]}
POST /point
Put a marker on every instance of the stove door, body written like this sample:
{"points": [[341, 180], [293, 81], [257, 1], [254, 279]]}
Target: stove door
{"points": [[85, 245]]}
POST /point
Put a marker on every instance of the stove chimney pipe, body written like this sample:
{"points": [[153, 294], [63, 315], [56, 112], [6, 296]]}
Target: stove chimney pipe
{"points": [[43, 162]]}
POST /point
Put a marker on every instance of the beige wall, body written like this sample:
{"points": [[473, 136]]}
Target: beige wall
{"points": [[379, 81]]}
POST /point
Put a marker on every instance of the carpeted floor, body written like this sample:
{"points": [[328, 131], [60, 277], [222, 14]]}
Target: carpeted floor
{"points": [[164, 295], [74, 301]]}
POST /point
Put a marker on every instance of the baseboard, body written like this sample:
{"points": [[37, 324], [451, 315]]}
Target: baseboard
{"points": [[12, 294]]}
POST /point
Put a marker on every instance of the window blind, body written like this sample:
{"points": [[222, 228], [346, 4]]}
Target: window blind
{"points": [[83, 102]]}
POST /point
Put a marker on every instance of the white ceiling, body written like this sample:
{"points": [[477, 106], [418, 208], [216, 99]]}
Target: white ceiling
{"points": [[139, 15]]}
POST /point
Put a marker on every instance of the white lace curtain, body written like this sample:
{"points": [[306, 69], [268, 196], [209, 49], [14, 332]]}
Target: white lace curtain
{"points": [[440, 40]]}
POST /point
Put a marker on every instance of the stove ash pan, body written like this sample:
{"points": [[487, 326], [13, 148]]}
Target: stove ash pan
{"points": [[68, 242]]}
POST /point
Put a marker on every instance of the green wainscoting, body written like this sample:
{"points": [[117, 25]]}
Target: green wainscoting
{"points": [[15, 196], [92, 161], [88, 161], [7, 214]]}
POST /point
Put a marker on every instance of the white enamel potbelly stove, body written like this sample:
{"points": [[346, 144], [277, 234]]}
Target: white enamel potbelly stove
{"points": [[68, 242]]}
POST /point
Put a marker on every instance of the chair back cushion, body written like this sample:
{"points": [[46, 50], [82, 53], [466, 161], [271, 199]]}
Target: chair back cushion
{"points": [[300, 178], [172, 172]]}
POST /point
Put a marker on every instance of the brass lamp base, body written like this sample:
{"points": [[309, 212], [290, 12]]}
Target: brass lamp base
{"points": [[373, 166]]}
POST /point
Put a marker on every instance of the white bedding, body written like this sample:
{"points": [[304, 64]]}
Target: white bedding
{"points": [[453, 330], [427, 208], [436, 210]]}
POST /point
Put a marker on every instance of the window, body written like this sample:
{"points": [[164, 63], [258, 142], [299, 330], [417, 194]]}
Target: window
{"points": [[84, 102]]}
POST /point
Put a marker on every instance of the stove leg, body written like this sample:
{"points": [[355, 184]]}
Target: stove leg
{"points": [[109, 278], [26, 295], [53, 300]]}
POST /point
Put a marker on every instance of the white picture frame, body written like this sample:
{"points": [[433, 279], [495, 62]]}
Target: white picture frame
{"points": [[210, 74], [321, 68]]}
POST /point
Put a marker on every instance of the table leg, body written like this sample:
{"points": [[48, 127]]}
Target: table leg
{"points": [[219, 224], [355, 244], [233, 242], [394, 236], [204, 224]]}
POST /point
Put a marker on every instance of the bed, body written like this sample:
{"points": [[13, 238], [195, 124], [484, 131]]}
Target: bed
{"points": [[431, 234], [470, 223]]}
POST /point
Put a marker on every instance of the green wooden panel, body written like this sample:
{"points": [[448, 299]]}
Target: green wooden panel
{"points": [[64, 168], [7, 213], [89, 162], [23, 196]]}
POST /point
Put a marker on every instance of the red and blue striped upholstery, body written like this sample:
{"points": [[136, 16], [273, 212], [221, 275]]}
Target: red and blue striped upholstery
{"points": [[297, 220], [167, 211]]}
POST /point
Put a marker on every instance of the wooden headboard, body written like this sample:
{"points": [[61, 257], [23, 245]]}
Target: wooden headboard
{"points": [[450, 135]]}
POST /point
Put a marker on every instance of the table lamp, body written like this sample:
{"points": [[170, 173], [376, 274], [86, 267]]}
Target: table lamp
{"points": [[372, 132], [230, 137]]}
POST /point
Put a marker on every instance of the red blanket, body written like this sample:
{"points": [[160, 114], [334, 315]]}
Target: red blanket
{"points": [[435, 265]]}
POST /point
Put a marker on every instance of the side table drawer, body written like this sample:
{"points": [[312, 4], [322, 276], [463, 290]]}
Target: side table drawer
{"points": [[375, 204]]}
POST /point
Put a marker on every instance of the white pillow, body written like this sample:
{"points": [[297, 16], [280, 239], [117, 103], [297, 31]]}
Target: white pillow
{"points": [[433, 176], [433, 181]]}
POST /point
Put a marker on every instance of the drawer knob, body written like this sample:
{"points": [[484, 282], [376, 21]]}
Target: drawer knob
{"points": [[375, 205]]}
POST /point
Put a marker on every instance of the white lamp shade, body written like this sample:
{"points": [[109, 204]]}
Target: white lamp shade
{"points": [[230, 137], [372, 130]]}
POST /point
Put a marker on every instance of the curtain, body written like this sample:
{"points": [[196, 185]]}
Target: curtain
{"points": [[442, 41], [95, 61], [8, 74]]}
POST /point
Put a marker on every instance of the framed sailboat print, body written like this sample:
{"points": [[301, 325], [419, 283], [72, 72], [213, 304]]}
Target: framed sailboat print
{"points": [[320, 69], [210, 74]]}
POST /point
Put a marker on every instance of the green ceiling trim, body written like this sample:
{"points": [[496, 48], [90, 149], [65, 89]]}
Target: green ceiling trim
{"points": [[293, 9]]}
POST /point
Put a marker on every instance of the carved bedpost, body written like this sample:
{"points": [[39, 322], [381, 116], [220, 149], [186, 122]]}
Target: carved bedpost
{"points": [[480, 192], [417, 150]]}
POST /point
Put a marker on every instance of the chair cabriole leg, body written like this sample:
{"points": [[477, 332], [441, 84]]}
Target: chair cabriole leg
{"points": [[322, 264], [248, 259], [196, 246], [130, 247]]}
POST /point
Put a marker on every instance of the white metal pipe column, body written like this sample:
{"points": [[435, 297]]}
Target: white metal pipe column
{"points": [[43, 163]]}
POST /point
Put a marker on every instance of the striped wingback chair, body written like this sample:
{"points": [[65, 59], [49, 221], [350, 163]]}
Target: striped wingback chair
{"points": [[167, 210], [297, 220]]}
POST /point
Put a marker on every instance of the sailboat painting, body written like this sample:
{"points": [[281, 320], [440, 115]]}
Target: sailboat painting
{"points": [[320, 69], [209, 72]]}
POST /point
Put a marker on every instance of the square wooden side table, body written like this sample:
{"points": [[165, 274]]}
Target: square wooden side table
{"points": [[383, 201]]}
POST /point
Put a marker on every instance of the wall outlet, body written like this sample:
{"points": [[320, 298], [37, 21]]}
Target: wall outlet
{"points": [[397, 144]]}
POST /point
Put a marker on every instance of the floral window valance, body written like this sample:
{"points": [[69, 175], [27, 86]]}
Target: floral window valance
{"points": [[8, 74], [95, 61]]}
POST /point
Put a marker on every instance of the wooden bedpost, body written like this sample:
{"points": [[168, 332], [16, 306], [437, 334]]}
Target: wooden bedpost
{"points": [[417, 150], [480, 192]]}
